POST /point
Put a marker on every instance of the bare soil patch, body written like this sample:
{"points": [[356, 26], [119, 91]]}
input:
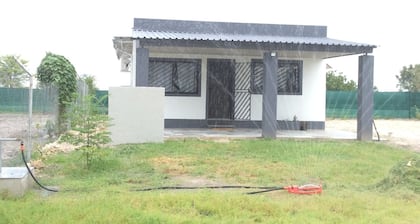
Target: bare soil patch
{"points": [[170, 165], [196, 181], [403, 133], [177, 169], [16, 126]]}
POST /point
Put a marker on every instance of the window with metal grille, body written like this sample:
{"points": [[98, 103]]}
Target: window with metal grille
{"points": [[180, 77], [289, 77]]}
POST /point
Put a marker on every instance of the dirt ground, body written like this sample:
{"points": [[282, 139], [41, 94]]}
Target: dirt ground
{"points": [[16, 126], [405, 133]]}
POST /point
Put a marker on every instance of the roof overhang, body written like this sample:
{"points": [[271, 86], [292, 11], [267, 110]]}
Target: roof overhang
{"points": [[327, 48], [235, 38]]}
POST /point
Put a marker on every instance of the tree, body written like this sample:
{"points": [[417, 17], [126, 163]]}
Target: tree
{"points": [[88, 127], [90, 83], [57, 70], [339, 82], [11, 74], [409, 78]]}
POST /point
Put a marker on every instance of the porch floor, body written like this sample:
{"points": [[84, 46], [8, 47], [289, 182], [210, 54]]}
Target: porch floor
{"points": [[237, 133]]}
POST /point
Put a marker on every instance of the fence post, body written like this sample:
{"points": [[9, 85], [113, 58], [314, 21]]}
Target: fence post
{"points": [[1, 165], [409, 105]]}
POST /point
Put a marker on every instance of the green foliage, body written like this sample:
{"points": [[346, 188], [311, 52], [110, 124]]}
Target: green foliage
{"points": [[11, 74], [405, 174], [88, 128], [90, 82], [409, 78], [57, 70], [339, 82], [51, 128]]}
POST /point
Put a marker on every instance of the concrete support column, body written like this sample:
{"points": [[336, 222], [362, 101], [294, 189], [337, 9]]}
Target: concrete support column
{"points": [[365, 98], [269, 112], [141, 66]]}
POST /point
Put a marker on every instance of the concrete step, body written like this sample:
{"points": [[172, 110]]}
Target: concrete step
{"points": [[220, 123]]}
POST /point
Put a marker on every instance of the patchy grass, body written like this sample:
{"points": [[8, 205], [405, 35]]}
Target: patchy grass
{"points": [[405, 174], [358, 179]]}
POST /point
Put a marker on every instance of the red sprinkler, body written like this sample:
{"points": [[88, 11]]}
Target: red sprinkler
{"points": [[295, 189]]}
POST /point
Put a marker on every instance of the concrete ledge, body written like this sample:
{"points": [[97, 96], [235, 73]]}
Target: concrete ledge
{"points": [[281, 125], [15, 181]]}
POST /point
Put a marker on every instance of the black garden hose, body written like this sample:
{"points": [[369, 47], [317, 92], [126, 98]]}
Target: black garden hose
{"points": [[303, 189], [30, 172], [261, 189]]}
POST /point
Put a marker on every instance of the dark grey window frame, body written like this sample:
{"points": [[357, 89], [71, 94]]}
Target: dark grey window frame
{"points": [[197, 74], [257, 90]]}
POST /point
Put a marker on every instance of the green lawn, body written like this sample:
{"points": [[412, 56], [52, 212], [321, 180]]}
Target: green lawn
{"points": [[363, 183]]}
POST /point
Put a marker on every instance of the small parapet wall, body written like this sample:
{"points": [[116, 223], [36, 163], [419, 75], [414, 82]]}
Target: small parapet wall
{"points": [[137, 114]]}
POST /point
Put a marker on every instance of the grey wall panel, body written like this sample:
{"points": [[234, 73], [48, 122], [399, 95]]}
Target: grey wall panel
{"points": [[269, 115], [142, 67], [365, 98]]}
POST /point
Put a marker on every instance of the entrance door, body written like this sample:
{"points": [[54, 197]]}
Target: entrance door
{"points": [[220, 89]]}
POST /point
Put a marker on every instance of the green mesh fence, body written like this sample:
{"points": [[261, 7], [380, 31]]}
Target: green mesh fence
{"points": [[102, 97], [15, 100], [339, 104], [343, 104]]}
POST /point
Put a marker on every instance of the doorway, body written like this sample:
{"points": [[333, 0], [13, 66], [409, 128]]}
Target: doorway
{"points": [[220, 91]]}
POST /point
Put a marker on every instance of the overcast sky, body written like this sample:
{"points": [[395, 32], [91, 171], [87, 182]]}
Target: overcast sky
{"points": [[83, 31]]}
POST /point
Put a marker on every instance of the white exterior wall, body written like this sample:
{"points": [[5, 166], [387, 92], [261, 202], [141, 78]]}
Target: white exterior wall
{"points": [[188, 107], [310, 106], [191, 107], [136, 114]]}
